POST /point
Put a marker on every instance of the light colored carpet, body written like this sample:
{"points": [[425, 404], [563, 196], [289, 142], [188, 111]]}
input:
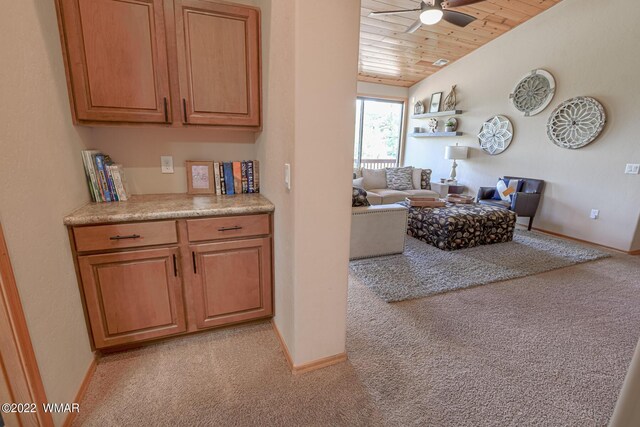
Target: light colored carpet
{"points": [[544, 350], [424, 270]]}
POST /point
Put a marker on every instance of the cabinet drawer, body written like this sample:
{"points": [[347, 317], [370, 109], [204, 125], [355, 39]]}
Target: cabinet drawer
{"points": [[118, 236], [227, 227]]}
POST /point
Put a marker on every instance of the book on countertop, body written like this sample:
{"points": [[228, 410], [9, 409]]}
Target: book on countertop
{"points": [[216, 174], [117, 173], [243, 168], [237, 178], [228, 177], [90, 175], [223, 186], [250, 176], [102, 177], [107, 170], [256, 176]]}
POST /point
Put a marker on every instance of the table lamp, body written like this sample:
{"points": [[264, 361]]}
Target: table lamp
{"points": [[455, 152]]}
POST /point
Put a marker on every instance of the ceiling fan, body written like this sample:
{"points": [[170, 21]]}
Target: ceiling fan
{"points": [[433, 11]]}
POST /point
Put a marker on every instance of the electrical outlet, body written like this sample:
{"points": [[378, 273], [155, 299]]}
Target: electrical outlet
{"points": [[287, 176], [632, 169], [595, 213], [166, 164]]}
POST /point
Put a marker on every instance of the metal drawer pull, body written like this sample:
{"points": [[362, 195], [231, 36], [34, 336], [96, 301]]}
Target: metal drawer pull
{"points": [[237, 227], [131, 236]]}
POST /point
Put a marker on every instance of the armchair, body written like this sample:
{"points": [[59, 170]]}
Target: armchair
{"points": [[524, 203]]}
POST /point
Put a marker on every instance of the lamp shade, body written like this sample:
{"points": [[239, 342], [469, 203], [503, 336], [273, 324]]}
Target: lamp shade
{"points": [[455, 152]]}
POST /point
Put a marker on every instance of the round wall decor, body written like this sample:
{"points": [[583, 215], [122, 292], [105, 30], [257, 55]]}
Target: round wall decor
{"points": [[533, 92], [576, 122], [496, 135]]}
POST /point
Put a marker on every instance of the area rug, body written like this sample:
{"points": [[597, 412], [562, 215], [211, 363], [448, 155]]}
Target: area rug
{"points": [[424, 270]]}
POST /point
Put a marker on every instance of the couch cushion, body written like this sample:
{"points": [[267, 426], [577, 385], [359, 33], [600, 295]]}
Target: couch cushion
{"points": [[492, 202], [374, 198], [374, 178], [423, 193], [425, 181], [359, 197], [417, 178], [390, 196], [400, 178], [357, 182]]}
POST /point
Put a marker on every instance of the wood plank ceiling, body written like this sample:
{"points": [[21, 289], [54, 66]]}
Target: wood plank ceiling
{"points": [[390, 56]]}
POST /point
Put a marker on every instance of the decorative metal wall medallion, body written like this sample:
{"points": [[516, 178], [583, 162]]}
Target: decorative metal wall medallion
{"points": [[533, 92], [496, 135], [576, 122]]}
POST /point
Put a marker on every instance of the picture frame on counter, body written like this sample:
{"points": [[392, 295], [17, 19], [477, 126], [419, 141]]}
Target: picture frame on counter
{"points": [[434, 105], [200, 178]]}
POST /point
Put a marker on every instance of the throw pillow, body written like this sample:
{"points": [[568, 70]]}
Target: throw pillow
{"points": [[425, 179], [374, 178], [400, 178], [417, 178], [358, 182], [505, 189], [359, 197]]}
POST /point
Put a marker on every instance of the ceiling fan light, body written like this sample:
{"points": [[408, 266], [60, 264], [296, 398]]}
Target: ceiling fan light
{"points": [[431, 16]]}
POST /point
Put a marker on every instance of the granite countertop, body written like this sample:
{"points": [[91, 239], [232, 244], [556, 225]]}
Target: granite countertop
{"points": [[167, 206]]}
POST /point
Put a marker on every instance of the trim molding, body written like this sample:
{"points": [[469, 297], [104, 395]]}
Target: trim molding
{"points": [[18, 364], [82, 390], [309, 366], [552, 233]]}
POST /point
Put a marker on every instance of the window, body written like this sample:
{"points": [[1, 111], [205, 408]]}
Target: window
{"points": [[378, 133]]}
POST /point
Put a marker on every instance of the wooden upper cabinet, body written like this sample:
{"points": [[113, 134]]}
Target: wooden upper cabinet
{"points": [[218, 51], [117, 60]]}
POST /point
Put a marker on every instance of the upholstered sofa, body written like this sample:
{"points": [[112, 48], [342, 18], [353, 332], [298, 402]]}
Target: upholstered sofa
{"points": [[377, 230], [374, 181]]}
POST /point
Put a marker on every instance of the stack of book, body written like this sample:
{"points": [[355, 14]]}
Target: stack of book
{"points": [[236, 177], [105, 179], [424, 202]]}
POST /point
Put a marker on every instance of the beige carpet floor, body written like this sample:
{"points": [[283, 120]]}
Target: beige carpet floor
{"points": [[544, 350]]}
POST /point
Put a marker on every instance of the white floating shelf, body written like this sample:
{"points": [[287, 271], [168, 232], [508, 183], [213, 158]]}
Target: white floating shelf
{"points": [[438, 114], [434, 134]]}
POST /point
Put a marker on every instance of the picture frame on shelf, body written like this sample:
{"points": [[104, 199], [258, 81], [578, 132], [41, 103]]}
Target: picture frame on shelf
{"points": [[434, 105], [200, 178]]}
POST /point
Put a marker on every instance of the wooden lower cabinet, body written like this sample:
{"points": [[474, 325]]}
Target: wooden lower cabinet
{"points": [[132, 296], [232, 281], [193, 274]]}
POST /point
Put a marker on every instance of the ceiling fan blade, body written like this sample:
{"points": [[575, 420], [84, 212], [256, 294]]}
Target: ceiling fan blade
{"points": [[457, 18], [392, 12], [459, 3], [414, 26]]}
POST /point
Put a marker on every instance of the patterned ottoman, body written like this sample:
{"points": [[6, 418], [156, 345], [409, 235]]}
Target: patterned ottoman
{"points": [[461, 226]]}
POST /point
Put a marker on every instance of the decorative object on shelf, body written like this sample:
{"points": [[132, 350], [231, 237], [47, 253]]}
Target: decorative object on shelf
{"points": [[533, 92], [434, 105], [418, 108], [576, 122], [455, 152], [200, 177], [451, 125], [432, 125], [496, 135], [450, 101], [418, 129]]}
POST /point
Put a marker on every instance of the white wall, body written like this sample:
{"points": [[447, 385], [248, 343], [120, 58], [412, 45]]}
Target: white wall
{"points": [[589, 46], [42, 180], [310, 88], [377, 89]]}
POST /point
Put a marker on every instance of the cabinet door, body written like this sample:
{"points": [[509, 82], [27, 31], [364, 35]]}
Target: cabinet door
{"points": [[232, 281], [132, 296], [117, 59], [218, 48]]}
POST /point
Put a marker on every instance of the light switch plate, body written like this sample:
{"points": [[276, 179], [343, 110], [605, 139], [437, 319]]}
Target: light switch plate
{"points": [[287, 176], [632, 169], [166, 163], [595, 214]]}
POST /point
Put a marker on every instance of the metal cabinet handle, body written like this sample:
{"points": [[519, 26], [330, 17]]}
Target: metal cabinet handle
{"points": [[193, 256], [175, 266], [131, 236], [236, 227], [166, 110], [184, 110]]}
